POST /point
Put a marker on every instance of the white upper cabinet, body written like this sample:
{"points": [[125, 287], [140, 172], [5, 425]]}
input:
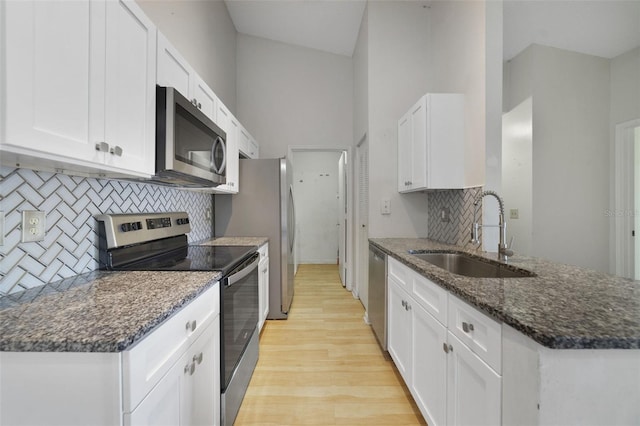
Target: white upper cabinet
{"points": [[227, 122], [174, 71], [79, 87], [431, 145], [248, 146], [130, 92]]}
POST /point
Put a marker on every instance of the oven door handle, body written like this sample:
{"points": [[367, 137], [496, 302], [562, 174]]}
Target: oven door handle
{"points": [[232, 279]]}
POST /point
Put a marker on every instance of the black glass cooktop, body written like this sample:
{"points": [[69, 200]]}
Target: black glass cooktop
{"points": [[194, 258]]}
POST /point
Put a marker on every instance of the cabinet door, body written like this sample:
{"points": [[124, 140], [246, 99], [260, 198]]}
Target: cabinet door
{"points": [[173, 70], [473, 388], [130, 87], [419, 145], [200, 390], [254, 148], [404, 153], [49, 49], [243, 141], [162, 405], [263, 283], [399, 329], [429, 367], [229, 124], [204, 98]]}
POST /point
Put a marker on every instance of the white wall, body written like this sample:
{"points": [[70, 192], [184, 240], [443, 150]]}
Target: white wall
{"points": [[205, 35], [457, 59], [625, 88], [517, 173], [289, 95], [570, 94], [315, 186], [398, 74]]}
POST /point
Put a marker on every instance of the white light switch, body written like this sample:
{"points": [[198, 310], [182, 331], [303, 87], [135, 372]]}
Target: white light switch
{"points": [[33, 225], [385, 207], [513, 214]]}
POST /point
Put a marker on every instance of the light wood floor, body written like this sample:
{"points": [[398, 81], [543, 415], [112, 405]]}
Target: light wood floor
{"points": [[323, 365]]}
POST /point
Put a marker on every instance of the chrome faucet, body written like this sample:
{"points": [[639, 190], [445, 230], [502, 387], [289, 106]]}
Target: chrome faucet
{"points": [[503, 252]]}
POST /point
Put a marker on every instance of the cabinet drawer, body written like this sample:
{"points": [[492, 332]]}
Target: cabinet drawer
{"points": [[400, 272], [153, 356], [430, 296], [480, 333]]}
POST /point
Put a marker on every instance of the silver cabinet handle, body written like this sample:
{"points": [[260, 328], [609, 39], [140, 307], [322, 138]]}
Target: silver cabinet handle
{"points": [[190, 368], [198, 358], [194, 102], [408, 306], [199, 105], [116, 151], [404, 304], [191, 325], [102, 146], [447, 347], [467, 327]]}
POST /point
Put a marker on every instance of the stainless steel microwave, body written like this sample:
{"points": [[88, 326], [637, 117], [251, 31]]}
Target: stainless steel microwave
{"points": [[190, 148]]}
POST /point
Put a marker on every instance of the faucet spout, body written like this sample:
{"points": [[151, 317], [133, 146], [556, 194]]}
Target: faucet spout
{"points": [[503, 252]]}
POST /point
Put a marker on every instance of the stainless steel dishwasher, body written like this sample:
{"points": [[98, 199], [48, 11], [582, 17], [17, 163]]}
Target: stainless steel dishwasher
{"points": [[378, 294]]}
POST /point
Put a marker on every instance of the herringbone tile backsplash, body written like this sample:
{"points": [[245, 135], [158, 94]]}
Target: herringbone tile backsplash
{"points": [[459, 203], [71, 243]]}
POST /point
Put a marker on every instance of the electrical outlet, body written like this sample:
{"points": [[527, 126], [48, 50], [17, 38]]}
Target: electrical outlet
{"points": [[513, 214], [1, 228], [33, 225], [445, 215]]}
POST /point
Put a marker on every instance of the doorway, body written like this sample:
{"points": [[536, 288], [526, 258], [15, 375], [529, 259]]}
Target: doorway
{"points": [[321, 182], [625, 217]]}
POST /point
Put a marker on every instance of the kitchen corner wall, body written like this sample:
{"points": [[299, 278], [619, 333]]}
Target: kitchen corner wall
{"points": [[71, 243], [459, 203]]}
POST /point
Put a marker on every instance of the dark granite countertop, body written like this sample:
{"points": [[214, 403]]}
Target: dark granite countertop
{"points": [[96, 312], [234, 241], [563, 307]]}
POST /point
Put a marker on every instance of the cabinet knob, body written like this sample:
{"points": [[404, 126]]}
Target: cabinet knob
{"points": [[190, 368], [447, 347], [199, 105], [102, 146], [194, 102], [198, 358], [404, 304], [467, 327], [191, 326], [116, 151]]}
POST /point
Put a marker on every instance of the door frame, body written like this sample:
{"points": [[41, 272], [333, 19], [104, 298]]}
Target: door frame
{"points": [[622, 217], [350, 247]]}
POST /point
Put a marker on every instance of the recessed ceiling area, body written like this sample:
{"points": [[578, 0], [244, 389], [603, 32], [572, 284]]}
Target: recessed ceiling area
{"points": [[327, 25]]}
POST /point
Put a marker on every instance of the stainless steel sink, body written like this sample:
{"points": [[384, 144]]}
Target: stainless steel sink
{"points": [[463, 264]]}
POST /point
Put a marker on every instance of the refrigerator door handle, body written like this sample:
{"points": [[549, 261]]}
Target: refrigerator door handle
{"points": [[292, 232]]}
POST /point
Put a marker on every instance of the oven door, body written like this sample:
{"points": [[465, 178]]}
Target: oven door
{"points": [[239, 314]]}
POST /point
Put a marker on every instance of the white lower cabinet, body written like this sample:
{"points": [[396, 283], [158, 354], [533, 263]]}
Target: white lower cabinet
{"points": [[187, 394], [450, 384], [263, 284], [473, 388], [399, 325], [171, 377]]}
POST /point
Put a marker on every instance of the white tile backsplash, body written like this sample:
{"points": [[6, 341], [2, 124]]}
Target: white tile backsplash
{"points": [[70, 244]]}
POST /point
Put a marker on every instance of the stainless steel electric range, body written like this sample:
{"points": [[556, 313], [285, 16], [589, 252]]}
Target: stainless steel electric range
{"points": [[158, 242]]}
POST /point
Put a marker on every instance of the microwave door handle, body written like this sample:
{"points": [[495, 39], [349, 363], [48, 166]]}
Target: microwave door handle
{"points": [[232, 279], [220, 169]]}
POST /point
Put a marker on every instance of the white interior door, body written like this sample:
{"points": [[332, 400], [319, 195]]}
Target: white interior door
{"points": [[342, 217], [362, 270]]}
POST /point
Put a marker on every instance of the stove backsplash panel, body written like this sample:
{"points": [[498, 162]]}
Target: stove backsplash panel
{"points": [[70, 246]]}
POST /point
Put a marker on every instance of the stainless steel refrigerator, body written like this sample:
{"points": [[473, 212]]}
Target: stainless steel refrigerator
{"points": [[264, 207]]}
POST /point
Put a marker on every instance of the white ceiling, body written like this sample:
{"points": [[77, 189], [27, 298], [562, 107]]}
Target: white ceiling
{"points": [[327, 25], [603, 28]]}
